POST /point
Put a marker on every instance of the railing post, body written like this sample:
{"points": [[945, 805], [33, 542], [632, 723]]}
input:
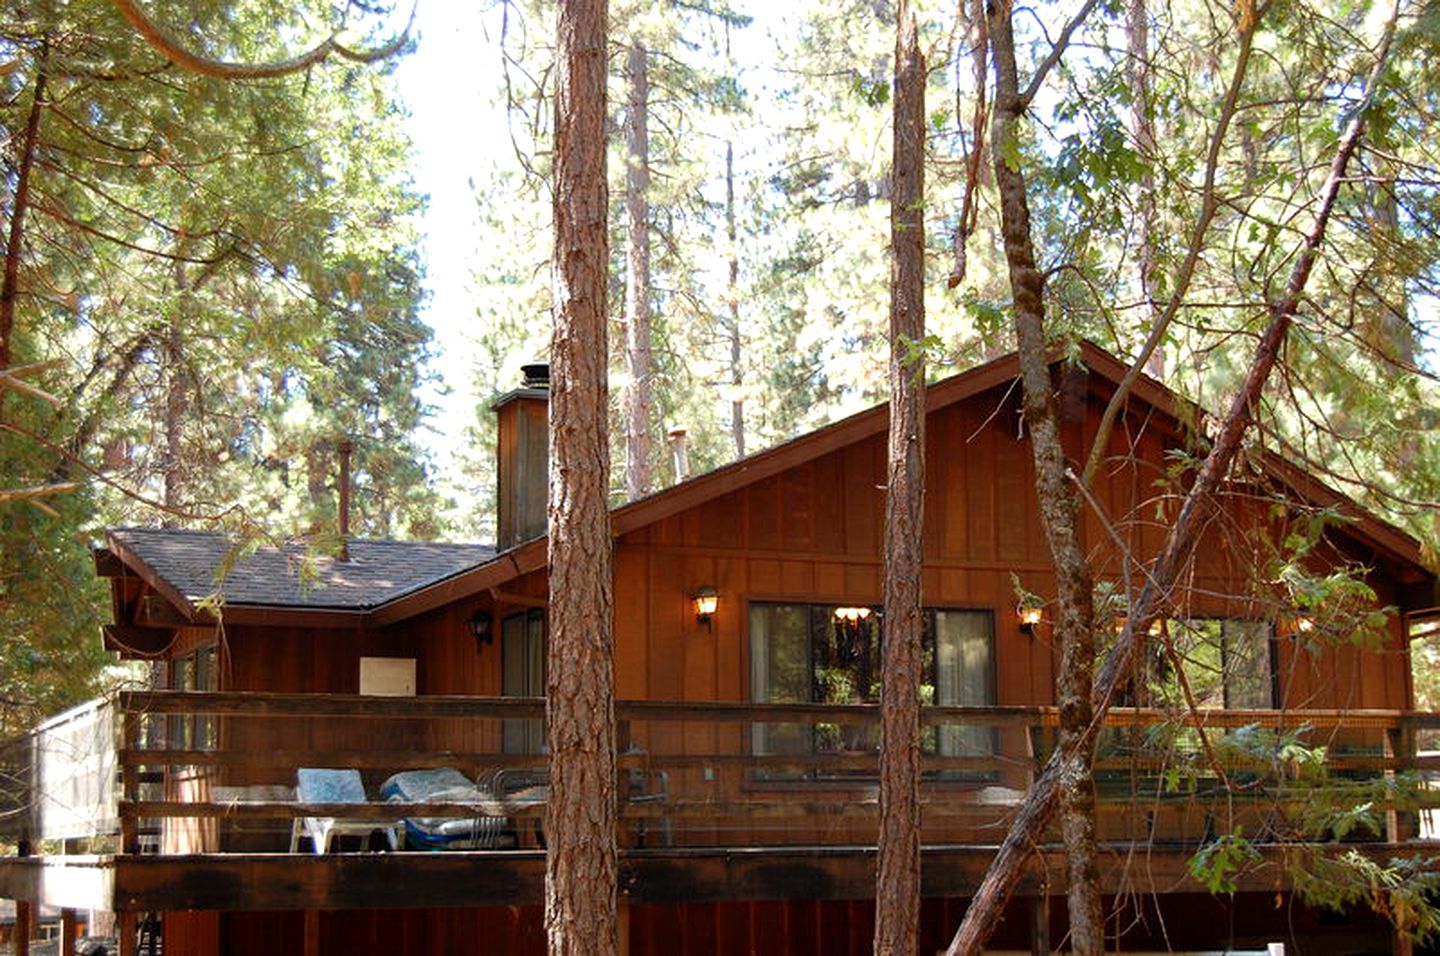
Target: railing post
{"points": [[1391, 745], [129, 780], [1405, 747]]}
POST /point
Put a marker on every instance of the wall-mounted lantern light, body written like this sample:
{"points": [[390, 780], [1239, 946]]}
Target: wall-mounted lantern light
{"points": [[479, 625], [1301, 624], [1029, 617], [706, 599], [851, 615]]}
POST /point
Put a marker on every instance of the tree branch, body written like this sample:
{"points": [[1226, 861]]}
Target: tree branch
{"points": [[1056, 52], [1069, 757], [1208, 207], [171, 48]]}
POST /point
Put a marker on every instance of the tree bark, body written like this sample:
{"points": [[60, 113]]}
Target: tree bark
{"points": [[19, 204], [1073, 751], [1142, 129], [1059, 506], [639, 396], [581, 861], [897, 886], [732, 287], [175, 406]]}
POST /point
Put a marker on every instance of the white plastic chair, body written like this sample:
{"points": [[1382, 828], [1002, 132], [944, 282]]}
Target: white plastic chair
{"points": [[314, 785]]}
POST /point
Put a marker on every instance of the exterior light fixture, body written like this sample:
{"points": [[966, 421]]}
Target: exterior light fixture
{"points": [[479, 625], [851, 615], [707, 600], [1029, 616], [1303, 624]]}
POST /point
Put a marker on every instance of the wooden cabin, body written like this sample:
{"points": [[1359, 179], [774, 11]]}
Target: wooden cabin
{"points": [[746, 628]]}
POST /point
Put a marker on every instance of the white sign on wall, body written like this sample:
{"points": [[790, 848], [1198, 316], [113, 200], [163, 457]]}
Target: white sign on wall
{"points": [[387, 676]]}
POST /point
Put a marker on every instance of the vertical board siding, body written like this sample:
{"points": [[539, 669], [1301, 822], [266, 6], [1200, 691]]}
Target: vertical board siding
{"points": [[811, 533]]}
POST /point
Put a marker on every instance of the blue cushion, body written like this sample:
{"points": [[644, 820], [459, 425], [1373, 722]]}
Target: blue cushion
{"points": [[419, 786], [329, 786]]}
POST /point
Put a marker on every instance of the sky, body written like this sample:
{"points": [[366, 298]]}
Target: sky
{"points": [[447, 84], [459, 137]]}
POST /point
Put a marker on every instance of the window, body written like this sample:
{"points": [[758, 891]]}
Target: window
{"points": [[1229, 664], [522, 654], [812, 653], [196, 671]]}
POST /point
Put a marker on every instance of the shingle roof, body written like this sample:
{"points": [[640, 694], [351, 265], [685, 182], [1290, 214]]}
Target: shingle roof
{"points": [[377, 572]]}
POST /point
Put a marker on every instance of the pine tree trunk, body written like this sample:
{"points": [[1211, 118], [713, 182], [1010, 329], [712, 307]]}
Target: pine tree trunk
{"points": [[1142, 128], [19, 204], [639, 397], [1074, 754], [581, 862], [897, 886], [1059, 509], [737, 375], [175, 404]]}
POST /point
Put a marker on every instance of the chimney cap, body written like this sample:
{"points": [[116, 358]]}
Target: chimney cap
{"points": [[534, 384]]}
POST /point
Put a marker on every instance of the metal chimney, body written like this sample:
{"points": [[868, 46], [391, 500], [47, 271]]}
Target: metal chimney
{"points": [[346, 447], [679, 440]]}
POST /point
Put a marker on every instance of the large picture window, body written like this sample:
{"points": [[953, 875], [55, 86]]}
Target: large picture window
{"points": [[816, 653]]}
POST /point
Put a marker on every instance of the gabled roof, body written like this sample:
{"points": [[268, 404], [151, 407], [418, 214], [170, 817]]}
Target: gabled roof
{"points": [[1398, 546], [389, 581], [193, 565]]}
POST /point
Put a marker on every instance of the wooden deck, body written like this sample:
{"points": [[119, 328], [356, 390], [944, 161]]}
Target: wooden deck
{"points": [[240, 882], [728, 825]]}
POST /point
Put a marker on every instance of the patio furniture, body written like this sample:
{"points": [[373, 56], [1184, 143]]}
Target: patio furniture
{"points": [[319, 785], [485, 830]]}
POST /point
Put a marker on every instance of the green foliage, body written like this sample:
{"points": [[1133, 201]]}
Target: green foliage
{"points": [[1403, 889], [227, 278], [1314, 810], [1216, 864]]}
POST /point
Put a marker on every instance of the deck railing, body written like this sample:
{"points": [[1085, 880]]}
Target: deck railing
{"points": [[208, 772], [58, 782]]}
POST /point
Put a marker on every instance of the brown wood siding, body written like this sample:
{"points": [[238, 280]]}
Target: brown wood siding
{"points": [[811, 534], [1192, 921]]}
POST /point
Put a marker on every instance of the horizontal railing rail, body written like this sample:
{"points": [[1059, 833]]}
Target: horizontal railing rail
{"points": [[201, 771]]}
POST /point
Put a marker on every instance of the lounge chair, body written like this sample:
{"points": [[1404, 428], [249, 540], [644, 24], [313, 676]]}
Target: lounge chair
{"points": [[315, 785], [483, 831]]}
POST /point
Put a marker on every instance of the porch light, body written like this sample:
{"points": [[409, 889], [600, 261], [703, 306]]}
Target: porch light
{"points": [[479, 625], [707, 600], [1303, 624], [851, 615], [1029, 617]]}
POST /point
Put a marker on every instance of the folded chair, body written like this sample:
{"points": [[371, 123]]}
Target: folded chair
{"points": [[334, 786], [522, 785]]}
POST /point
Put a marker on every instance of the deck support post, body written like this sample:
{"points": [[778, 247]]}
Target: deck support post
{"points": [[23, 928], [310, 941], [68, 926], [1040, 925], [128, 933], [622, 914], [24, 913]]}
